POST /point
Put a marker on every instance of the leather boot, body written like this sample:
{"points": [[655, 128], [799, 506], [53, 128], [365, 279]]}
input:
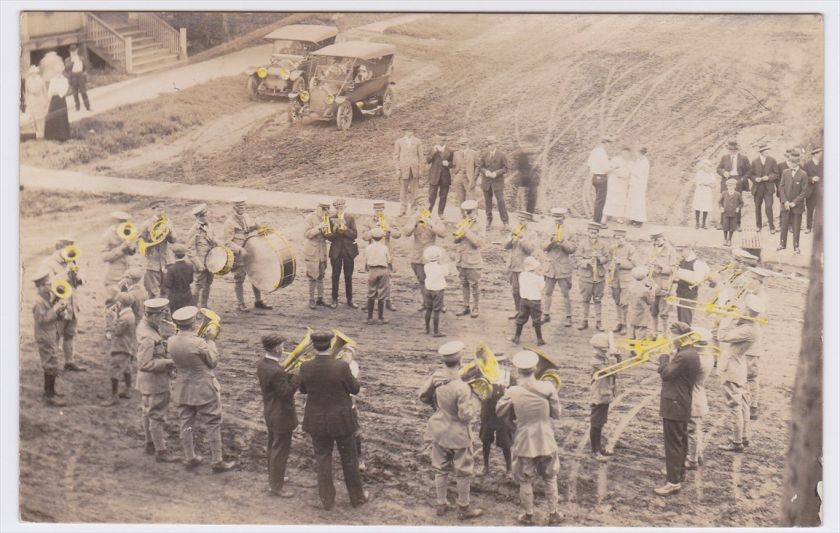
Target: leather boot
{"points": [[475, 293], [312, 283]]}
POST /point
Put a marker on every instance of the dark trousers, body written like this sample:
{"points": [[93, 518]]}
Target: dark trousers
{"points": [[531, 192], [811, 206], [78, 84], [599, 181], [790, 217], [685, 315], [495, 187], [765, 197], [676, 446], [323, 447], [441, 189], [279, 445], [338, 264], [420, 274]]}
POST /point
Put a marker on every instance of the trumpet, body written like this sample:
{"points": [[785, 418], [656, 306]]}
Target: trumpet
{"points": [[327, 227], [480, 373], [713, 309], [61, 289], [211, 326], [461, 231], [383, 225], [342, 227], [660, 346], [424, 217], [158, 232], [127, 231], [517, 232]]}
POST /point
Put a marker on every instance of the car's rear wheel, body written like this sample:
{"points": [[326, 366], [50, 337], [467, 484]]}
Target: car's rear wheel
{"points": [[253, 87], [344, 115], [299, 85], [388, 102]]}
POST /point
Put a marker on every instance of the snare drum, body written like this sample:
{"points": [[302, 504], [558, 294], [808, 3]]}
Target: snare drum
{"points": [[219, 260], [270, 261]]}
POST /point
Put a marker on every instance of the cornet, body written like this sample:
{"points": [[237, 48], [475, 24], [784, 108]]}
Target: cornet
{"points": [[383, 225], [558, 233], [127, 231], [342, 227], [211, 327], [327, 227], [461, 231]]}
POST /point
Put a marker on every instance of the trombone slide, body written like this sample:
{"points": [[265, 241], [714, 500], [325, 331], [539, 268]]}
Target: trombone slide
{"points": [[713, 309]]}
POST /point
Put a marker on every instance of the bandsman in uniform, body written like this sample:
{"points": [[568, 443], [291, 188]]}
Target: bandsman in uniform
{"points": [[425, 229], [343, 251], [601, 393], [377, 263], [123, 348], [200, 240], [237, 228], [134, 287], [620, 277], [591, 257], [754, 285], [69, 316], [197, 391], [45, 313], [315, 251], [699, 401], [449, 430], [662, 261], [559, 265], [157, 256], [115, 251], [533, 403], [389, 230], [521, 244], [153, 377], [469, 238]]}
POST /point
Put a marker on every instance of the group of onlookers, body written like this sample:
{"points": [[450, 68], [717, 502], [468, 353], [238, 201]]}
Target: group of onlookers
{"points": [[45, 88], [620, 183]]}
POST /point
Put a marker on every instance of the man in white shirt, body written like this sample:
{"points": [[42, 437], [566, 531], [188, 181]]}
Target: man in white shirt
{"points": [[599, 165], [76, 68], [435, 285], [531, 286], [378, 260]]}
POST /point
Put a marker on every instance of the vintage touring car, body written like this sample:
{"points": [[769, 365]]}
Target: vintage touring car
{"points": [[348, 78], [289, 66]]}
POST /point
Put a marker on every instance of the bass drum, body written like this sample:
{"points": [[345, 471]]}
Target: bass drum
{"points": [[219, 260], [270, 260]]}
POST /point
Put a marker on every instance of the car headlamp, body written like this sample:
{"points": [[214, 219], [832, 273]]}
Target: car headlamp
{"points": [[262, 72], [284, 73], [329, 99]]}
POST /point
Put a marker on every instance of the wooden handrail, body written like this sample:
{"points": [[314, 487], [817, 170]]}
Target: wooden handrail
{"points": [[161, 31], [108, 40], [104, 24]]}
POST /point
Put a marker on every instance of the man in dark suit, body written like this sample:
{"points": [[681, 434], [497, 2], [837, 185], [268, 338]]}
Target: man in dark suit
{"points": [[794, 189], [278, 392], [343, 251], [734, 165], [678, 377], [814, 168], [492, 168], [440, 161], [764, 175], [328, 418]]}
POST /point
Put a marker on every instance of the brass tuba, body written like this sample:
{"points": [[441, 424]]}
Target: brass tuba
{"points": [[211, 326], [546, 370], [61, 289], [127, 232], [158, 232], [342, 347], [481, 373]]}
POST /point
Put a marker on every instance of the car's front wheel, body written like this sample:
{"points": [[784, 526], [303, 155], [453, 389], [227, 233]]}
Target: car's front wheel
{"points": [[388, 102], [344, 115], [253, 87]]}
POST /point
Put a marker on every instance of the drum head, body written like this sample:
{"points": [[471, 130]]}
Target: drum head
{"points": [[270, 261], [219, 260]]}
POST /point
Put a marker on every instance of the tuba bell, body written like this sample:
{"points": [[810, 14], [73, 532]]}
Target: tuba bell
{"points": [[61, 289], [158, 232], [211, 326], [341, 345], [481, 373], [546, 370], [127, 232], [300, 354]]}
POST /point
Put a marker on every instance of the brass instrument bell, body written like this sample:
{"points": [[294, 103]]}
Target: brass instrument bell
{"points": [[481, 373], [127, 231], [211, 326], [61, 289]]}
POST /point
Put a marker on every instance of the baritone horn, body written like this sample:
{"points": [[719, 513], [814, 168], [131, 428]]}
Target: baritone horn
{"points": [[127, 231], [481, 373], [158, 232], [299, 354], [61, 289], [211, 327]]}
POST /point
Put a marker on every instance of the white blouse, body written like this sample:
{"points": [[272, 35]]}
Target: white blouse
{"points": [[59, 86]]}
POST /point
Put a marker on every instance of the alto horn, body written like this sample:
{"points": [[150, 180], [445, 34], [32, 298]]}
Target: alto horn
{"points": [[211, 327], [481, 373], [546, 370], [127, 231], [61, 289]]}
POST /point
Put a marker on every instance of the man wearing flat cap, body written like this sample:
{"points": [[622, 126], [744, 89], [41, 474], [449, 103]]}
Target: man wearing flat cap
{"points": [[662, 261], [764, 175], [154, 367], [449, 430], [389, 231], [200, 240], [317, 226], [813, 167], [794, 188], [115, 252], [521, 243], [238, 227], [469, 239], [178, 278], [464, 171], [736, 166], [592, 256], [533, 404], [619, 278], [559, 265], [493, 167], [278, 392], [678, 376], [343, 251], [197, 391], [158, 255], [439, 159], [45, 314], [68, 317], [328, 417]]}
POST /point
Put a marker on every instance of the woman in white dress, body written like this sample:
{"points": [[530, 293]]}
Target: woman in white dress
{"points": [[705, 183], [637, 189], [36, 99], [617, 180], [57, 124]]}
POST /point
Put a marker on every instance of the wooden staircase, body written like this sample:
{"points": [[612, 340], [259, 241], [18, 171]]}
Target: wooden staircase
{"points": [[137, 43]]}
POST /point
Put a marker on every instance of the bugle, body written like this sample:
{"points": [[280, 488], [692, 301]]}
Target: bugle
{"points": [[482, 372]]}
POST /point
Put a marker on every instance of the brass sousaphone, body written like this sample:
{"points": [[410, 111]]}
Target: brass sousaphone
{"points": [[481, 373]]}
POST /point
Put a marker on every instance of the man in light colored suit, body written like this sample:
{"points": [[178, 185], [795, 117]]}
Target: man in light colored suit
{"points": [[533, 403], [408, 153], [465, 171], [492, 168]]}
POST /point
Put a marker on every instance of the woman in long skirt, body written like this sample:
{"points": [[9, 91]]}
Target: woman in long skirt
{"points": [[57, 126], [615, 205], [637, 190], [705, 182]]}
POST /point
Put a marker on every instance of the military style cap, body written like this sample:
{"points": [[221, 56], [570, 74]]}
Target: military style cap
{"points": [[379, 205], [179, 250], [600, 341], [185, 314], [705, 334], [655, 232], [531, 263], [199, 210], [559, 211], [122, 216], [469, 205], [764, 147], [432, 253], [524, 215], [41, 274], [525, 360], [731, 181], [762, 272], [271, 340], [238, 200], [638, 272], [133, 274], [339, 202], [324, 202], [156, 305], [451, 350], [680, 328], [64, 241], [755, 304], [594, 225], [377, 233], [817, 150]]}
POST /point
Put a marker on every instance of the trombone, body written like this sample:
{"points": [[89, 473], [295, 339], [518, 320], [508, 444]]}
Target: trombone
{"points": [[660, 346], [482, 372], [713, 309]]}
